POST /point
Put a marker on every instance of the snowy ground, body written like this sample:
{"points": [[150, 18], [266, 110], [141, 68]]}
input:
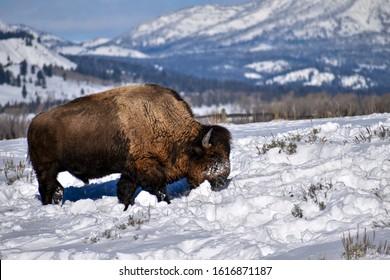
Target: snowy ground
{"points": [[56, 89], [331, 178]]}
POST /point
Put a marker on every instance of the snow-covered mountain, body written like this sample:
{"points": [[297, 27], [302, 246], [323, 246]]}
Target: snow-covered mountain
{"points": [[98, 47], [300, 46], [20, 43], [49, 49], [339, 44], [262, 21]]}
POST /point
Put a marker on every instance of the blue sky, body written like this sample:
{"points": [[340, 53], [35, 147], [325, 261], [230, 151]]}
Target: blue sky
{"points": [[79, 20]]}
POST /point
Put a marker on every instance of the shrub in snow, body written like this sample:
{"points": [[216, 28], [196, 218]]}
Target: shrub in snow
{"points": [[362, 246], [14, 172]]}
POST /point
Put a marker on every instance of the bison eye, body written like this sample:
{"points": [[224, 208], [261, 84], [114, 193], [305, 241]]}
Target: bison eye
{"points": [[217, 155], [197, 152]]}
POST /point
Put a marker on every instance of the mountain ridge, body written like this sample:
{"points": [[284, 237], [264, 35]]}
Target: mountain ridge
{"points": [[267, 20], [26, 43], [324, 42], [323, 46]]}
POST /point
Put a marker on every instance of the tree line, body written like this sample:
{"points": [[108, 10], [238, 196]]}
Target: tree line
{"points": [[20, 80], [4, 35], [314, 105]]}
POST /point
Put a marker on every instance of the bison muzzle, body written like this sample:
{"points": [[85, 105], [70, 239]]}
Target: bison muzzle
{"points": [[147, 133]]}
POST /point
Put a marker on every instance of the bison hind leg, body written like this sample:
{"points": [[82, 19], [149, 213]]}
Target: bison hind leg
{"points": [[125, 190]]}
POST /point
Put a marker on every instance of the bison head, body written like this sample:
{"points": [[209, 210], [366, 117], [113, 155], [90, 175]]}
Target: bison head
{"points": [[209, 158]]}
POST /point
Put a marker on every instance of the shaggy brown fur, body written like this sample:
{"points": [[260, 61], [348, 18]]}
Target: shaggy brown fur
{"points": [[145, 132]]}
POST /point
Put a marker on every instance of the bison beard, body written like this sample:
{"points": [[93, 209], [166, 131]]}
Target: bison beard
{"points": [[145, 132]]}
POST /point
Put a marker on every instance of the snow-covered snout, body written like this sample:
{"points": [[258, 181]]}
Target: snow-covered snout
{"points": [[212, 162], [217, 174]]}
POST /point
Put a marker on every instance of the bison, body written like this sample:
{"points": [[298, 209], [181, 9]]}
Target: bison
{"points": [[147, 133]]}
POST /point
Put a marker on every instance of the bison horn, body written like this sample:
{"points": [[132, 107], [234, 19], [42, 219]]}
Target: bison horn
{"points": [[206, 139]]}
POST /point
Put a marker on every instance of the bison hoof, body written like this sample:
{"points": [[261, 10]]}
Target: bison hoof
{"points": [[58, 196]]}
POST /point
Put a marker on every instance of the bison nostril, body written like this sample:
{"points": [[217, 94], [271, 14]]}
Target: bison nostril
{"points": [[219, 184]]}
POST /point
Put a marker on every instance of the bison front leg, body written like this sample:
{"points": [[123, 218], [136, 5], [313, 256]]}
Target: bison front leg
{"points": [[153, 179], [161, 195], [125, 191], [58, 193], [50, 189]]}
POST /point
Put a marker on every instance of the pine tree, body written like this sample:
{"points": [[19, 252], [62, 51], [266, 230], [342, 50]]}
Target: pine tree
{"points": [[40, 79], [116, 75], [18, 81], [24, 91], [2, 75], [23, 68], [48, 70], [28, 41], [8, 77]]}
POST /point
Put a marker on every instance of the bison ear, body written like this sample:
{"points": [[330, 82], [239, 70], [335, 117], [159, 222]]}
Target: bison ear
{"points": [[206, 139]]}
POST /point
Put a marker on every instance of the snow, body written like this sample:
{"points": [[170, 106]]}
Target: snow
{"points": [[16, 50], [269, 66], [56, 89], [96, 42], [260, 47], [71, 50], [310, 77], [342, 163], [280, 20], [217, 109], [114, 51], [371, 67], [331, 61], [186, 22], [354, 81], [254, 76], [362, 17], [100, 48]]}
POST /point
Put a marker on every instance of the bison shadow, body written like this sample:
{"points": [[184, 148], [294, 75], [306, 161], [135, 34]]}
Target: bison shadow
{"points": [[97, 191]]}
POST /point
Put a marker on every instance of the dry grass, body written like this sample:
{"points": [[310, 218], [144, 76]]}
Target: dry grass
{"points": [[13, 126], [14, 172], [362, 245]]}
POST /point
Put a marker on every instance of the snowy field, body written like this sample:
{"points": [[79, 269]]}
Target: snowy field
{"points": [[295, 188]]}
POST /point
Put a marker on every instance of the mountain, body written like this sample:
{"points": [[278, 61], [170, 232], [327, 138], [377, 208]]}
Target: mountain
{"points": [[32, 71], [50, 48], [97, 47], [339, 44], [263, 22], [275, 46], [19, 43]]}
